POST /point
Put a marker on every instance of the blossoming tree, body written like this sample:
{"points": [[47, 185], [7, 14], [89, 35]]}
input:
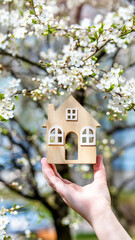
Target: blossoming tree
{"points": [[44, 56]]}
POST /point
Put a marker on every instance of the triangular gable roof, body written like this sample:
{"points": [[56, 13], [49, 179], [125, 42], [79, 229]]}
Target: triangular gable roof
{"points": [[67, 104]]}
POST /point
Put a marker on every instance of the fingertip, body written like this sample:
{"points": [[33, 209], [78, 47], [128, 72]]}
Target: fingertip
{"points": [[100, 159], [43, 162], [99, 162], [99, 169]]}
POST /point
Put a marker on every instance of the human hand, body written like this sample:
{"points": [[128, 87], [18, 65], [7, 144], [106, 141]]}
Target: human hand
{"points": [[90, 201]]}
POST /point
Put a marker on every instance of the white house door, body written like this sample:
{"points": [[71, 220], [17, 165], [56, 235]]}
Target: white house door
{"points": [[71, 146]]}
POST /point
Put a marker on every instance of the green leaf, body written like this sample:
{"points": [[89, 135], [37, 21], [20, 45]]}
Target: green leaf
{"points": [[40, 6], [16, 97], [46, 33], [92, 39], [101, 29], [51, 30], [121, 72], [111, 87], [67, 35], [93, 74], [34, 21], [124, 28], [96, 35], [21, 13], [133, 20], [1, 96], [3, 119], [94, 58], [114, 25], [32, 12], [13, 108], [48, 64], [49, 27], [87, 82]]}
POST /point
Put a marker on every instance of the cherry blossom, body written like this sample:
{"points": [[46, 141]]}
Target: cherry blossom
{"points": [[76, 66], [6, 104]]}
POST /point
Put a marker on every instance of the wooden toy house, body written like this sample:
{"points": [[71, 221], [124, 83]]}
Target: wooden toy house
{"points": [[70, 117]]}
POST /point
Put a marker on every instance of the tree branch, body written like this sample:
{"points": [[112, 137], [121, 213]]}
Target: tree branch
{"points": [[34, 197], [119, 128], [126, 182], [22, 58], [118, 153]]}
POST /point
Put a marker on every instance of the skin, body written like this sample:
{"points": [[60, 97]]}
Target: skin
{"points": [[92, 201]]}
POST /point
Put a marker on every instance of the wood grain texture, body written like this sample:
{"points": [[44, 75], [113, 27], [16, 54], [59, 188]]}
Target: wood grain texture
{"points": [[56, 153]]}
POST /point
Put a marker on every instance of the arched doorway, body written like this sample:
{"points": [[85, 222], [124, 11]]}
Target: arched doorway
{"points": [[71, 146]]}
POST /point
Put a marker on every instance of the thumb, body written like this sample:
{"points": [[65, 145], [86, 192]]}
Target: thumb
{"points": [[99, 169]]}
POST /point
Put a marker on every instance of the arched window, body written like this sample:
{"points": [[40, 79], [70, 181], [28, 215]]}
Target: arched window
{"points": [[55, 136], [88, 136]]}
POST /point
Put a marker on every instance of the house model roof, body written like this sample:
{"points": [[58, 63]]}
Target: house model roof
{"points": [[71, 102]]}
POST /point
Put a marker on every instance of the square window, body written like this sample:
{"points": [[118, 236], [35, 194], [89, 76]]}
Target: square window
{"points": [[91, 139], [84, 140], [52, 139], [59, 139], [71, 114]]}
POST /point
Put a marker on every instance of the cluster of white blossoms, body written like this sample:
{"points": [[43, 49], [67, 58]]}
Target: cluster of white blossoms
{"points": [[35, 19], [122, 90], [76, 65], [39, 18], [6, 104], [3, 224], [4, 220]]}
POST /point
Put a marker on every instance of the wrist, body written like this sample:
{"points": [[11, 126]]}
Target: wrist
{"points": [[102, 218], [107, 226], [101, 213]]}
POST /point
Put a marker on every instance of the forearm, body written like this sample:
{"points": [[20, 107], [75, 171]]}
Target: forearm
{"points": [[107, 227]]}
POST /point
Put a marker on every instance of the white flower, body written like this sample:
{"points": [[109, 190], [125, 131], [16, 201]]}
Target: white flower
{"points": [[110, 48], [3, 224], [6, 105], [3, 41], [19, 32], [3, 221], [85, 22]]}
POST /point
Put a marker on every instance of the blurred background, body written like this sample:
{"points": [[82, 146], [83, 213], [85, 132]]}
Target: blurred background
{"points": [[23, 141]]}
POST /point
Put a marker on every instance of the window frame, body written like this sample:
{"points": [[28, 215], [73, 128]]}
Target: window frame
{"points": [[56, 135], [71, 114], [87, 135]]}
